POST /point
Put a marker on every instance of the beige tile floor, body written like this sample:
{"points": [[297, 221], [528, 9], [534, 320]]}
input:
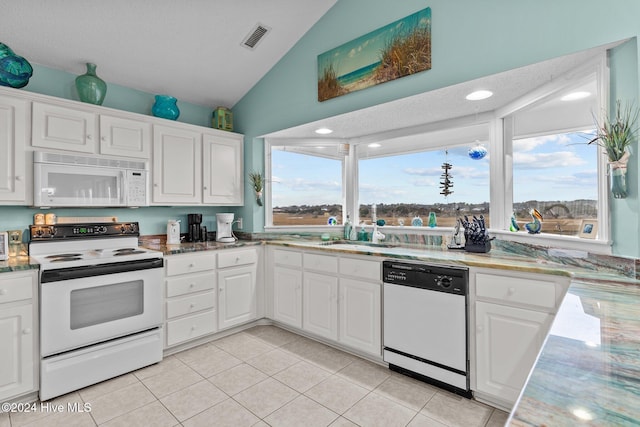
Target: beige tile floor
{"points": [[264, 376]]}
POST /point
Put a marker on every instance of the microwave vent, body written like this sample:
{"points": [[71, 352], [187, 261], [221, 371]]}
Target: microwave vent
{"points": [[68, 159]]}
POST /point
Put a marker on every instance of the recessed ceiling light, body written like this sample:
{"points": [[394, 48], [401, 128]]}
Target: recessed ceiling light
{"points": [[574, 96], [323, 131], [479, 94], [374, 145]]}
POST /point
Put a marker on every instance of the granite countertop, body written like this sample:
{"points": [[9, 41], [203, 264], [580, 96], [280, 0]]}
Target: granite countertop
{"points": [[588, 371], [188, 247], [18, 263]]}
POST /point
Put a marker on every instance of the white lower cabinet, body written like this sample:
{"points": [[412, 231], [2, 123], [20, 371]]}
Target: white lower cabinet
{"points": [[18, 334], [190, 305], [360, 315], [287, 296], [508, 341], [332, 297], [513, 313], [237, 296], [320, 304]]}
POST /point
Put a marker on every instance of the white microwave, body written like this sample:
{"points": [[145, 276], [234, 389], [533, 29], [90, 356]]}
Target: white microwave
{"points": [[64, 180]]}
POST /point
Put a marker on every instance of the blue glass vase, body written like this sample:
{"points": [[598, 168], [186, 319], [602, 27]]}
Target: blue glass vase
{"points": [[15, 71], [91, 88], [165, 107]]}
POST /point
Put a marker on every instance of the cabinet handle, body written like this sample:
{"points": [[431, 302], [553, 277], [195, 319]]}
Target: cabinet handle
{"points": [[26, 331], [192, 305], [193, 264], [104, 138], [155, 184], [220, 289], [479, 329], [193, 327], [204, 188], [192, 285], [18, 178], [3, 292], [89, 137], [511, 291]]}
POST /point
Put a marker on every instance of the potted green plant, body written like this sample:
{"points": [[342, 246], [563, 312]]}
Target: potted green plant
{"points": [[257, 184], [615, 136]]}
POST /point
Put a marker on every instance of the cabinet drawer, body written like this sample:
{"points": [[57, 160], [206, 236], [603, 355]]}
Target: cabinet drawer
{"points": [[324, 263], [183, 264], [290, 258], [192, 283], [15, 288], [190, 304], [191, 327], [235, 258], [516, 290], [361, 268]]}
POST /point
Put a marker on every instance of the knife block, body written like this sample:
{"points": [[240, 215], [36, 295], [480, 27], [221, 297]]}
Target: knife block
{"points": [[481, 248]]}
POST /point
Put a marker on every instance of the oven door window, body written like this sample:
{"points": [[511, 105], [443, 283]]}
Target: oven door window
{"points": [[102, 304]]}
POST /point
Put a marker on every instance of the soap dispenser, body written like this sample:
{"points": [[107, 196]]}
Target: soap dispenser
{"points": [[347, 228], [362, 234]]}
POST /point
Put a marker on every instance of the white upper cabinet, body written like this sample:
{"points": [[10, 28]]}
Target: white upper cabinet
{"points": [[13, 134], [177, 175], [62, 128], [222, 171], [125, 137]]}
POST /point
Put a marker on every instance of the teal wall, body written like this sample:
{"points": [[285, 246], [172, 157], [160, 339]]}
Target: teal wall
{"points": [[471, 39], [153, 220]]}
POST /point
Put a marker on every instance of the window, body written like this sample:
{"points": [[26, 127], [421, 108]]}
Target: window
{"points": [[407, 188], [557, 175], [306, 185]]}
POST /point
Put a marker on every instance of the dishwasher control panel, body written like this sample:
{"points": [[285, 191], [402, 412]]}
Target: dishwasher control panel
{"points": [[454, 280]]}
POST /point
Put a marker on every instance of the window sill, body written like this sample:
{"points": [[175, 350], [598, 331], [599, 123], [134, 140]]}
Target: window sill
{"points": [[542, 239]]}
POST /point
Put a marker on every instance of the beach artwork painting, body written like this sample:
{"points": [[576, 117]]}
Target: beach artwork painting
{"points": [[396, 50]]}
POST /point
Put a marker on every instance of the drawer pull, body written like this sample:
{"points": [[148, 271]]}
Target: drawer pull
{"points": [[511, 291], [192, 285], [193, 264], [3, 292], [192, 305], [26, 331], [193, 327], [237, 260]]}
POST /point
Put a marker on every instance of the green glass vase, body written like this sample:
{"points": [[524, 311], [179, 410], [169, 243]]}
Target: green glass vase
{"points": [[91, 88], [618, 182]]}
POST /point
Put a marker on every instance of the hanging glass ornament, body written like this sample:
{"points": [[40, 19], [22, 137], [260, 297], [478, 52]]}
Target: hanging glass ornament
{"points": [[477, 152]]}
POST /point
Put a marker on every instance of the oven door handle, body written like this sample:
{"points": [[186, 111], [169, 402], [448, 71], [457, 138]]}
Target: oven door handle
{"points": [[70, 273]]}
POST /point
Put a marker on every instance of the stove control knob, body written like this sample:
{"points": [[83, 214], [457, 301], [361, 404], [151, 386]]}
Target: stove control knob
{"points": [[101, 229], [132, 228], [445, 281]]}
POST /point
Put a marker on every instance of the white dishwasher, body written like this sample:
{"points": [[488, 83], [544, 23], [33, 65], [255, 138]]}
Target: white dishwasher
{"points": [[425, 323]]}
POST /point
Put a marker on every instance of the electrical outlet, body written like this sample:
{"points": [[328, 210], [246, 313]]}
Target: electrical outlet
{"points": [[239, 221]]}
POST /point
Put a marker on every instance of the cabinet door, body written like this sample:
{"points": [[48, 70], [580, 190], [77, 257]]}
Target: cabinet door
{"points": [[176, 166], [287, 296], [125, 137], [13, 131], [223, 182], [236, 296], [63, 128], [508, 340], [360, 315], [16, 351], [320, 305]]}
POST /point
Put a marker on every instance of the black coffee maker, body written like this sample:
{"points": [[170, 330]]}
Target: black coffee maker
{"points": [[197, 233]]}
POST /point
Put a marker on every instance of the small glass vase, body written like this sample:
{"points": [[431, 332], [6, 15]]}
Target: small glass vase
{"points": [[165, 107], [91, 88], [618, 181]]}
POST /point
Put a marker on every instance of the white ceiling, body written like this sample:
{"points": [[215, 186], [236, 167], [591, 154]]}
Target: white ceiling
{"points": [[190, 49]]}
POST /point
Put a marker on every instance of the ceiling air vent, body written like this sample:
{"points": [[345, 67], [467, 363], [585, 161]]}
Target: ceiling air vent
{"points": [[254, 37]]}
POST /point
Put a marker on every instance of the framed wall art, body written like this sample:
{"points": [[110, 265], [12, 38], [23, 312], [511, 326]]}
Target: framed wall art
{"points": [[399, 49]]}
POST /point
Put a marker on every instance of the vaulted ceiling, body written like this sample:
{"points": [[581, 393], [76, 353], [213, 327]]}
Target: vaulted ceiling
{"points": [[190, 49]]}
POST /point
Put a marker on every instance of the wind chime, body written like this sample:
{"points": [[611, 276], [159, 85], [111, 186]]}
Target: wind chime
{"points": [[446, 182]]}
